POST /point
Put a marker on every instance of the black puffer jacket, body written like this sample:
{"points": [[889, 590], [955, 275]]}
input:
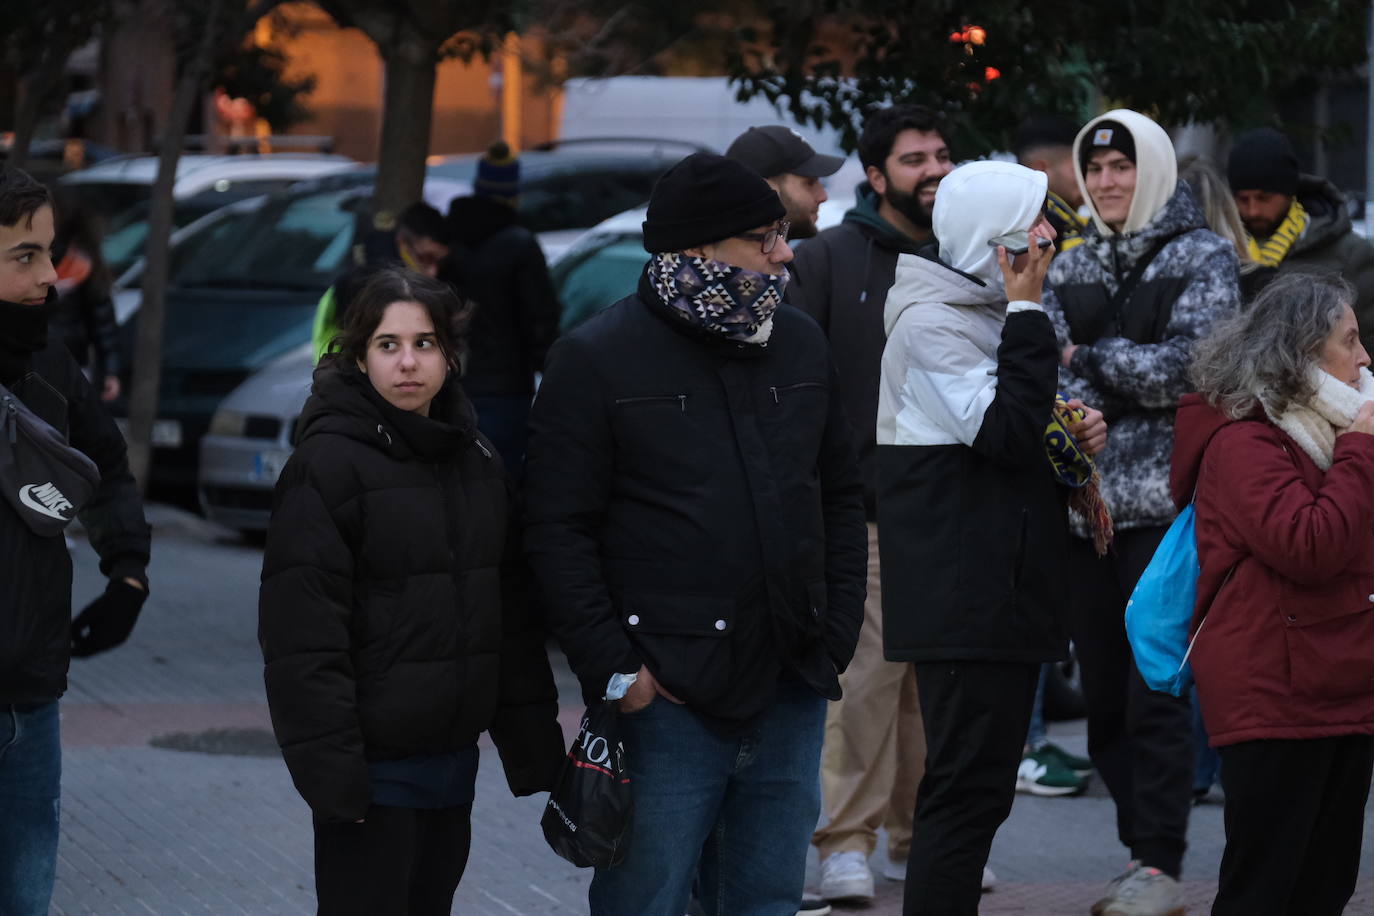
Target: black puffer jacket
{"points": [[500, 266], [694, 504], [36, 572], [390, 616]]}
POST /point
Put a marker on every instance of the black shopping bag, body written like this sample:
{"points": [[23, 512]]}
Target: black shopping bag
{"points": [[587, 819]]}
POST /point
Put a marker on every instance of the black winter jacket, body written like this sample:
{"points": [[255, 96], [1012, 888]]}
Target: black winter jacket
{"points": [[390, 616], [693, 504], [972, 523], [36, 572], [841, 279], [500, 267]]}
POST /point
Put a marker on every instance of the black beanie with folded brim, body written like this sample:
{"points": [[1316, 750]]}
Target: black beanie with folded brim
{"points": [[1263, 160], [1106, 134], [706, 198]]}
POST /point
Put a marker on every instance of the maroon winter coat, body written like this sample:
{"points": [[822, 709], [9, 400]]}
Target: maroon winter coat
{"points": [[1286, 649]]}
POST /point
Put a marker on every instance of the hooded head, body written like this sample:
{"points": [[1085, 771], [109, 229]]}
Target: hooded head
{"points": [[1147, 145], [978, 202]]}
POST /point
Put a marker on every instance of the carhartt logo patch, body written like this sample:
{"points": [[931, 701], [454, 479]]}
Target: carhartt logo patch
{"points": [[1103, 137], [45, 499]]}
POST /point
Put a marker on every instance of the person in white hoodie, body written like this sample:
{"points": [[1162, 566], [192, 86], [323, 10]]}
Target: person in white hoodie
{"points": [[972, 514]]}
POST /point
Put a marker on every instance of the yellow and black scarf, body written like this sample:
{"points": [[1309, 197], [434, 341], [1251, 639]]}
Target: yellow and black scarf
{"points": [[1066, 222], [1075, 470], [1277, 246]]}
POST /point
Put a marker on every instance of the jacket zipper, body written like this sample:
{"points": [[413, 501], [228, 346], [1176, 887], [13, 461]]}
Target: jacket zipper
{"points": [[778, 390], [648, 399], [478, 442]]}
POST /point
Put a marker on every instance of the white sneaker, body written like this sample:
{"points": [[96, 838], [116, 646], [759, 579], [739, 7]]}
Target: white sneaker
{"points": [[989, 879], [846, 876]]}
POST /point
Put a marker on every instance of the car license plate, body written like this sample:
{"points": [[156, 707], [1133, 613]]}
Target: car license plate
{"points": [[166, 433], [267, 466]]}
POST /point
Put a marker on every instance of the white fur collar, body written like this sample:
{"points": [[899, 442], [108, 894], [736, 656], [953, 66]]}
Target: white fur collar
{"points": [[1315, 424]]}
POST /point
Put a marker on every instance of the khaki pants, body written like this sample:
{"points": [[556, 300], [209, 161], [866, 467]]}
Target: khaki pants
{"points": [[875, 746]]}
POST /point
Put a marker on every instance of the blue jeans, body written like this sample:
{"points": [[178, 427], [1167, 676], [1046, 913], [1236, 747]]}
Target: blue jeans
{"points": [[1207, 763], [736, 812], [30, 777]]}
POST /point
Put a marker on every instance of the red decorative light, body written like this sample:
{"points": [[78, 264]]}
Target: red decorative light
{"points": [[992, 73]]}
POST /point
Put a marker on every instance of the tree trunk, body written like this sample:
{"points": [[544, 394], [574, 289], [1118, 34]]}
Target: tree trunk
{"points": [[145, 387], [33, 89], [407, 114]]}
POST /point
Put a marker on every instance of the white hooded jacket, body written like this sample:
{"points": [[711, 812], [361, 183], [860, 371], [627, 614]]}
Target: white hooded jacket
{"points": [[944, 325]]}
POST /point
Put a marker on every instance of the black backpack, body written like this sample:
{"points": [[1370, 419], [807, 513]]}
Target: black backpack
{"points": [[45, 480]]}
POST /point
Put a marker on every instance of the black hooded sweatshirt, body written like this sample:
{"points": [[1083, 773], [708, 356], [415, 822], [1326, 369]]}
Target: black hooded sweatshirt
{"points": [[391, 615]]}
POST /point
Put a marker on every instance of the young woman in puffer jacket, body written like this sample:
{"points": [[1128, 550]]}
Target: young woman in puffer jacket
{"points": [[1277, 453], [391, 619]]}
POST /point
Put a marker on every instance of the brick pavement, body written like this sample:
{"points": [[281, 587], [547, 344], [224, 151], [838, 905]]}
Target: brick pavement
{"points": [[146, 829]]}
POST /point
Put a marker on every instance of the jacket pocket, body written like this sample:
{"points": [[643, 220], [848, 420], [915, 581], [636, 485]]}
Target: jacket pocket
{"points": [[1330, 636], [685, 639]]}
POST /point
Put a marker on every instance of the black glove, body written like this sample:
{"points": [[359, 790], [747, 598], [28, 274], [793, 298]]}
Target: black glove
{"points": [[107, 621]]}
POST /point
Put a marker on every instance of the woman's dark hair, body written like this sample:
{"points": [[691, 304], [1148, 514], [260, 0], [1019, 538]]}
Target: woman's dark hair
{"points": [[76, 228], [398, 284]]}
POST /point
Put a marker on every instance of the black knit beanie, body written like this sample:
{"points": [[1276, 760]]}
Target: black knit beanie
{"points": [[706, 198], [1106, 135], [1263, 160]]}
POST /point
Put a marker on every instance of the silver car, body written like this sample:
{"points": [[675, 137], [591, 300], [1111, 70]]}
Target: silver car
{"points": [[250, 439]]}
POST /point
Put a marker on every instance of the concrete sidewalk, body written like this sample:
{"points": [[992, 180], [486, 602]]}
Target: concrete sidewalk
{"points": [[149, 826]]}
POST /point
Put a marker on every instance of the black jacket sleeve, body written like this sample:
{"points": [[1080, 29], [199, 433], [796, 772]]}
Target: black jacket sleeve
{"points": [[568, 471], [114, 517], [304, 612], [809, 286], [1013, 428], [103, 331], [846, 533], [536, 301], [525, 730]]}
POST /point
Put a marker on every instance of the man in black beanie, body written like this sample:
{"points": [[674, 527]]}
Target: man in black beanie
{"points": [[1296, 221], [695, 522]]}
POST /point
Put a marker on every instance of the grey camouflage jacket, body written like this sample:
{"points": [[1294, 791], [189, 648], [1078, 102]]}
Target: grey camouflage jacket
{"points": [[1132, 361]]}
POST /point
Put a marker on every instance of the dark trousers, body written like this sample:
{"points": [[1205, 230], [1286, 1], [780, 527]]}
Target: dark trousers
{"points": [[398, 862], [1294, 822], [975, 715], [1140, 741]]}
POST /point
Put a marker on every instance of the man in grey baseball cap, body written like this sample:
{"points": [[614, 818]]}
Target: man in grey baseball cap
{"points": [[792, 168]]}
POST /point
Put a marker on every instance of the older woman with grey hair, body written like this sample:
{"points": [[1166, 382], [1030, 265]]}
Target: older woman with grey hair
{"points": [[1276, 451]]}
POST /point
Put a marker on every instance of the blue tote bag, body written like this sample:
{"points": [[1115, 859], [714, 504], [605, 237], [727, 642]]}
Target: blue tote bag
{"points": [[1161, 609]]}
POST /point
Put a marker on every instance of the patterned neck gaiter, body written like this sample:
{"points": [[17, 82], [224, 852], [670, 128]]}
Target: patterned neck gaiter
{"points": [[727, 300]]}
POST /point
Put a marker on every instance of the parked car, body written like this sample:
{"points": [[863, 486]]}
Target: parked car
{"points": [[568, 186], [243, 284], [250, 437], [117, 190]]}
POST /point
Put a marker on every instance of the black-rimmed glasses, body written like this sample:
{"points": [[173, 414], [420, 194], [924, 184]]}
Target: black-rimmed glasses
{"points": [[768, 240]]}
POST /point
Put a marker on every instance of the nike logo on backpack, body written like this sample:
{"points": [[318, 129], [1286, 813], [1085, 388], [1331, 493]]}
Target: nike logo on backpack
{"points": [[45, 499]]}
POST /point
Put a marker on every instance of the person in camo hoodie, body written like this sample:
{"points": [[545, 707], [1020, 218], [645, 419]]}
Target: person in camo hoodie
{"points": [[1128, 303]]}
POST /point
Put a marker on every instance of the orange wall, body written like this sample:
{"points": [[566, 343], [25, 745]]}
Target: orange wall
{"points": [[348, 94]]}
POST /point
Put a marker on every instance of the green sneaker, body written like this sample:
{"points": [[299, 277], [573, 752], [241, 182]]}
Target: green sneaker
{"points": [[1043, 773], [1080, 765]]}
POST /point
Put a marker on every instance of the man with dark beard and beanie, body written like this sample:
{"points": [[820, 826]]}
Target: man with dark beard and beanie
{"points": [[874, 746], [792, 168], [37, 634], [1298, 222], [694, 519]]}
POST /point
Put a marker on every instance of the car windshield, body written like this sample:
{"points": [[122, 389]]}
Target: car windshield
{"points": [[299, 243], [590, 282], [128, 232]]}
